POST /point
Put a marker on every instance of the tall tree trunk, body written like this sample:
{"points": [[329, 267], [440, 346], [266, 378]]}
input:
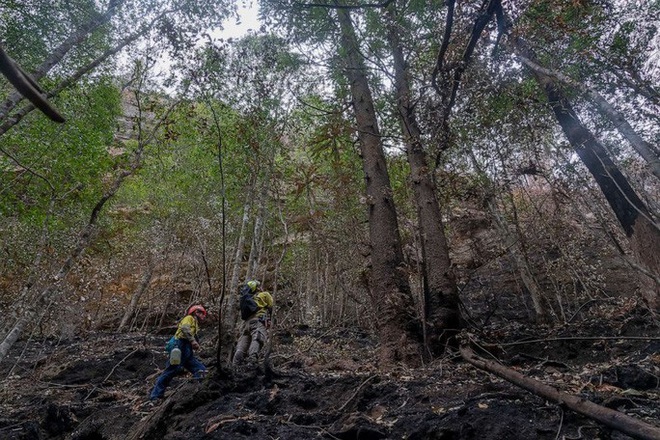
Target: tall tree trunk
{"points": [[631, 212], [258, 232], [647, 151], [390, 290], [441, 312], [232, 299], [285, 245]]}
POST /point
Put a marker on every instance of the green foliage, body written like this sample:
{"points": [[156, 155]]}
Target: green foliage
{"points": [[33, 28], [41, 162], [621, 41], [303, 24], [273, 110], [66, 162], [181, 173]]}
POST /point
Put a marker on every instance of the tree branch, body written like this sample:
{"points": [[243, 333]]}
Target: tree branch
{"points": [[608, 417]]}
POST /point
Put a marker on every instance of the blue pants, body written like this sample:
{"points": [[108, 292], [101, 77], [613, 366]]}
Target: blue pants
{"points": [[188, 362]]}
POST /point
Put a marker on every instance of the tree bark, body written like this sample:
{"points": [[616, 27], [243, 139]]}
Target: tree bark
{"points": [[645, 149], [441, 312], [390, 290], [631, 212]]}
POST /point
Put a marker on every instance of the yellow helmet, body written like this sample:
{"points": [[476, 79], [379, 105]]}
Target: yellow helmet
{"points": [[253, 284]]}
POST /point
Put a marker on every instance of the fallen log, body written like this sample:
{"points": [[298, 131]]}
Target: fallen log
{"points": [[613, 419]]}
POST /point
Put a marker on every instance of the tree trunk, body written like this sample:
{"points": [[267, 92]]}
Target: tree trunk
{"points": [[441, 313], [232, 299], [311, 302], [645, 149], [632, 214], [137, 295], [390, 290], [15, 332], [258, 232]]}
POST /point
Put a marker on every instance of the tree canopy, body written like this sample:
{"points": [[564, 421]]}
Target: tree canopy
{"points": [[346, 154]]}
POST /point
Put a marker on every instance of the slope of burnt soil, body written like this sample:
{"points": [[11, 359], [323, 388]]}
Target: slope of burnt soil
{"points": [[325, 384]]}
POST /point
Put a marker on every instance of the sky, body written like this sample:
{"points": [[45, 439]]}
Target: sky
{"points": [[248, 12], [232, 28]]}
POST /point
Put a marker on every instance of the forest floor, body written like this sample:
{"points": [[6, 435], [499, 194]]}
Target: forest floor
{"points": [[326, 385]]}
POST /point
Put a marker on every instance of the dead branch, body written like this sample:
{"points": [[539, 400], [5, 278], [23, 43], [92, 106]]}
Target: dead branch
{"points": [[111, 373], [26, 86], [368, 379], [608, 417], [583, 338]]}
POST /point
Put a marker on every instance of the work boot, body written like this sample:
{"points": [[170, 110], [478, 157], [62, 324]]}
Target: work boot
{"points": [[252, 361]]}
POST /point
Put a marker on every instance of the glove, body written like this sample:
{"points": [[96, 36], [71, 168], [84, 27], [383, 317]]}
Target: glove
{"points": [[195, 345]]}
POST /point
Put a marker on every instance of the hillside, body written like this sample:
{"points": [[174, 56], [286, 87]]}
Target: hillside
{"points": [[454, 207], [324, 384]]}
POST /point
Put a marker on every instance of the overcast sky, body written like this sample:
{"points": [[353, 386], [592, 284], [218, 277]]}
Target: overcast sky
{"points": [[248, 13]]}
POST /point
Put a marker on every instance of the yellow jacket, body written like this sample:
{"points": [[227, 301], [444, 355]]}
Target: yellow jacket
{"points": [[265, 302], [187, 329]]}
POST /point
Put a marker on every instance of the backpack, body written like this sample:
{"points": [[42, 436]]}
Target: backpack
{"points": [[247, 303], [171, 343]]}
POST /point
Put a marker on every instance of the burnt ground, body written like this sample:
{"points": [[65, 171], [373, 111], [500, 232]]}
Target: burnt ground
{"points": [[325, 384]]}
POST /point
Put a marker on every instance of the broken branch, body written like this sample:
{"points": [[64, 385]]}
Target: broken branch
{"points": [[608, 417]]}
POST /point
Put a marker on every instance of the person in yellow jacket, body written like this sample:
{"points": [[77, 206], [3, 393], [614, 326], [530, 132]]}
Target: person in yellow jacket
{"points": [[187, 341], [254, 330]]}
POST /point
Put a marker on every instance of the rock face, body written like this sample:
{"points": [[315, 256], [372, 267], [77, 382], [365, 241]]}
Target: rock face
{"points": [[571, 259], [473, 239]]}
